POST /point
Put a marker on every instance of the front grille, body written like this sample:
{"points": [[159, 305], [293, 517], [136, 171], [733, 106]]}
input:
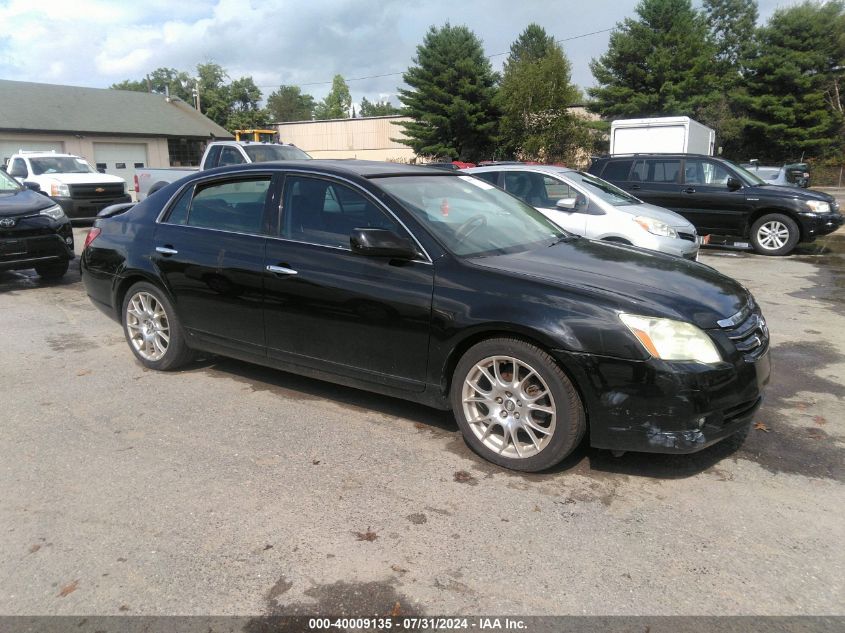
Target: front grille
{"points": [[739, 412], [687, 236], [748, 332], [95, 191]]}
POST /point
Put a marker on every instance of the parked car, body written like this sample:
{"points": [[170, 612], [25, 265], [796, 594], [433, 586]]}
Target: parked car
{"points": [[437, 287], [586, 205], [79, 189], [789, 175], [217, 154], [34, 231], [723, 199]]}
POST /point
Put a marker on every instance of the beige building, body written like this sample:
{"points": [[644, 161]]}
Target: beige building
{"points": [[116, 130], [365, 139]]}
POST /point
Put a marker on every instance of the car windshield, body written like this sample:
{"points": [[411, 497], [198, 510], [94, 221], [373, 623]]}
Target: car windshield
{"points": [[471, 217], [266, 153], [601, 189], [747, 176], [60, 165], [7, 183]]}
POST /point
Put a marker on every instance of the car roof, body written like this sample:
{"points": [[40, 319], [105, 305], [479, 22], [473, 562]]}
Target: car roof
{"points": [[346, 167], [550, 169], [656, 155]]}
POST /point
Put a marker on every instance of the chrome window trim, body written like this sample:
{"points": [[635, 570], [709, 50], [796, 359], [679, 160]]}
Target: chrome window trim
{"points": [[282, 172]]}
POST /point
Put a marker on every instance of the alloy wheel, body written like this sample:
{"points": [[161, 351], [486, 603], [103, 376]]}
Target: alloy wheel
{"points": [[509, 406], [773, 235], [148, 326]]}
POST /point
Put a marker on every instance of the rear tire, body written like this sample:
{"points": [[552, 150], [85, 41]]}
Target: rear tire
{"points": [[55, 270], [515, 406], [774, 234], [152, 328]]}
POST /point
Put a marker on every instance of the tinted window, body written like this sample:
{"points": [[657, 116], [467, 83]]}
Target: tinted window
{"points": [[530, 187], [663, 170], [265, 153], [490, 176], [704, 172], [324, 212], [640, 172], [230, 206], [179, 211], [213, 155], [230, 156], [617, 170], [18, 168]]}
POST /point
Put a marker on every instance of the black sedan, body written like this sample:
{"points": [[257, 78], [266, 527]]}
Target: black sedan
{"points": [[34, 231], [440, 288]]}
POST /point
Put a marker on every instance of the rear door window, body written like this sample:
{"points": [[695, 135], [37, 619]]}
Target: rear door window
{"points": [[664, 170], [616, 170], [236, 206]]}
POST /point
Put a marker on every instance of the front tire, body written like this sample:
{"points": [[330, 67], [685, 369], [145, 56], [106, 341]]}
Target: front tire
{"points": [[152, 328], [774, 234], [55, 270], [515, 406]]}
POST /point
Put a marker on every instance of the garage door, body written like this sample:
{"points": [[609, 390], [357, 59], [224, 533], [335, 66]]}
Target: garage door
{"points": [[7, 148], [120, 159]]}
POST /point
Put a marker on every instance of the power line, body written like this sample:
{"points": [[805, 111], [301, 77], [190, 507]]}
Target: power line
{"points": [[323, 83]]}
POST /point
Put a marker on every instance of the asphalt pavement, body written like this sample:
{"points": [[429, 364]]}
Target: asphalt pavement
{"points": [[233, 489]]}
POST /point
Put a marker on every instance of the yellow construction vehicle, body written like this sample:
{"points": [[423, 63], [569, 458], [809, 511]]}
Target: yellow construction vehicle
{"points": [[259, 136]]}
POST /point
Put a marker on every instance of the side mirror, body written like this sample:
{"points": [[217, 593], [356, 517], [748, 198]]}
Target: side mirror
{"points": [[32, 186], [567, 204], [381, 243], [734, 183]]}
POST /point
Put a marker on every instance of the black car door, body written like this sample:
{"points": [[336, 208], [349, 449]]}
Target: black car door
{"points": [[367, 318], [708, 202], [209, 249], [659, 182]]}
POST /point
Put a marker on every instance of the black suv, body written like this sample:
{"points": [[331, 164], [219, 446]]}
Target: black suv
{"points": [[34, 231], [723, 199]]}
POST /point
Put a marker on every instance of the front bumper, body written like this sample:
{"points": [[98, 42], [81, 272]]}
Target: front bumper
{"points": [[34, 241], [688, 249], [656, 406], [87, 208], [816, 224]]}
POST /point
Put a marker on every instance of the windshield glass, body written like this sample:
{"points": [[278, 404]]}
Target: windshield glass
{"points": [[747, 176], [7, 183], [601, 189], [266, 153], [471, 217], [60, 165]]}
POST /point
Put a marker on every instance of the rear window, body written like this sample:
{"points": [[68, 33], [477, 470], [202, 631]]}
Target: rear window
{"points": [[617, 170]]}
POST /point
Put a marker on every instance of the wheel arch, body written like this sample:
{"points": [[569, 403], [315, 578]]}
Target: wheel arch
{"points": [[129, 279], [759, 213]]}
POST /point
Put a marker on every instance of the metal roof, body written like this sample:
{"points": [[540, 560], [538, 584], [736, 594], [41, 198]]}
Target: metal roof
{"points": [[35, 107]]}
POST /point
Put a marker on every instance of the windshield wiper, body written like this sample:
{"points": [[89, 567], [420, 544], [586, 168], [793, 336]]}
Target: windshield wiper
{"points": [[566, 237]]}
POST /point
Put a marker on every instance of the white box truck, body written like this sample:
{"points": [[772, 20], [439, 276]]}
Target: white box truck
{"points": [[661, 135]]}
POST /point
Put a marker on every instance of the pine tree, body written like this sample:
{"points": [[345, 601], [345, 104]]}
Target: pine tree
{"points": [[533, 98], [450, 97], [658, 64]]}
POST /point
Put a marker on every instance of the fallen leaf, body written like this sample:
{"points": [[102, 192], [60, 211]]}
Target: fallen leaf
{"points": [[819, 420], [463, 477], [759, 426], [68, 589], [369, 535], [34, 548], [398, 569], [397, 610], [83, 372]]}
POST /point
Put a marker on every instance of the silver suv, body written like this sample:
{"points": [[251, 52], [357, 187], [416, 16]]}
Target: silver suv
{"points": [[589, 206]]}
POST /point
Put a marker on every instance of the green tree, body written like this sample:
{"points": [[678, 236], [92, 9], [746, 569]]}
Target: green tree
{"points": [[533, 97], [289, 103], [162, 80], [337, 103], [377, 108], [658, 64], [794, 98], [450, 97], [214, 96], [244, 109]]}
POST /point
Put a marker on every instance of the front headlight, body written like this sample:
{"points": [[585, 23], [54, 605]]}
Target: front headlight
{"points": [[59, 189], [55, 212], [817, 206], [655, 227], [668, 339]]}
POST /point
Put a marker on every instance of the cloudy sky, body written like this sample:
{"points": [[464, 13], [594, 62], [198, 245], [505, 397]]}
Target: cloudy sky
{"points": [[304, 42]]}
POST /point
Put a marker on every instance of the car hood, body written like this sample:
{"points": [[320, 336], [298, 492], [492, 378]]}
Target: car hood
{"points": [[782, 191], [24, 202], [658, 213], [631, 279]]}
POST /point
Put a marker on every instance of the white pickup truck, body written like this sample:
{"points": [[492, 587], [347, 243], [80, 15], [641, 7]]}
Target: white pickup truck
{"points": [[78, 188], [217, 154]]}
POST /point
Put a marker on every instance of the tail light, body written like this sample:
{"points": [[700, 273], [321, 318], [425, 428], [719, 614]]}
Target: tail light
{"points": [[137, 184], [92, 235]]}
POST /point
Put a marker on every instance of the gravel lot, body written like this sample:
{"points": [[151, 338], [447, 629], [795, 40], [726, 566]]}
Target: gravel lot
{"points": [[233, 489]]}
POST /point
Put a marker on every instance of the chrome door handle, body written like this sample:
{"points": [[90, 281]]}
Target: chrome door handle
{"points": [[164, 250], [281, 270]]}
